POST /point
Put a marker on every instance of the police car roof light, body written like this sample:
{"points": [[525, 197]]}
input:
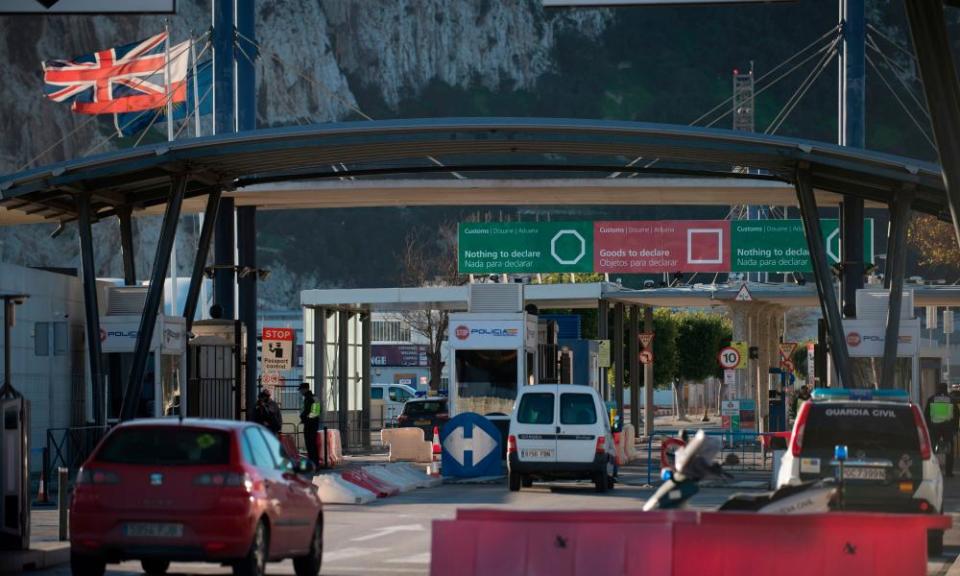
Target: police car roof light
{"points": [[860, 394]]}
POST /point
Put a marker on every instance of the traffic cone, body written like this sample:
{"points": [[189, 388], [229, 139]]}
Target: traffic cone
{"points": [[42, 491], [435, 465]]}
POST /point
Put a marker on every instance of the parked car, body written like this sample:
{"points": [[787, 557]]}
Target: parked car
{"points": [[424, 413], [390, 398], [558, 431], [890, 466], [194, 490]]}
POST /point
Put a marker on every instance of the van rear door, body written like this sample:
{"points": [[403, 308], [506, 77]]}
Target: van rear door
{"points": [[536, 430], [579, 427]]}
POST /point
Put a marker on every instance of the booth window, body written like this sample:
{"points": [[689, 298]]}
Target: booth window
{"points": [[41, 339], [59, 338], [486, 380]]}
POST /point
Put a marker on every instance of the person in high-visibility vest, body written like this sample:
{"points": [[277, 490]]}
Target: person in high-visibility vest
{"points": [[942, 419], [310, 418]]}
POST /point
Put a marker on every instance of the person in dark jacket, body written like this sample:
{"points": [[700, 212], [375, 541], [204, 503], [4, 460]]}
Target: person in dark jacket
{"points": [[310, 418], [268, 412]]}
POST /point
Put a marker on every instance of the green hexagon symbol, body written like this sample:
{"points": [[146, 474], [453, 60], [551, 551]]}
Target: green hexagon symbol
{"points": [[566, 243]]}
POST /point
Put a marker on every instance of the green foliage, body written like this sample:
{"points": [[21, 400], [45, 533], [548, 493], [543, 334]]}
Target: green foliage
{"points": [[699, 338], [665, 353], [800, 359]]}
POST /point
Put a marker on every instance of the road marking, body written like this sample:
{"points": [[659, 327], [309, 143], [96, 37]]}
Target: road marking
{"points": [[388, 530], [347, 553], [423, 558]]}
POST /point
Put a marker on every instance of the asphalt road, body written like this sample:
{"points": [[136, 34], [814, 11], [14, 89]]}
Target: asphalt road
{"points": [[392, 536]]}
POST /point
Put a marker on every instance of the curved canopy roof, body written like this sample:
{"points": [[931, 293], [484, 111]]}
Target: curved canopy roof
{"points": [[456, 148]]}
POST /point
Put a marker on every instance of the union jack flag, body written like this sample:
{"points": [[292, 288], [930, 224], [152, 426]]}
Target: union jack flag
{"points": [[126, 78]]}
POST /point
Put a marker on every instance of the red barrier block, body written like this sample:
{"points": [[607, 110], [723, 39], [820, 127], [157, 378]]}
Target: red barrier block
{"points": [[680, 543], [364, 480]]}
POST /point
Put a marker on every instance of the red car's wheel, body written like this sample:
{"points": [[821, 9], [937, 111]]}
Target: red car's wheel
{"points": [[309, 565], [255, 562]]}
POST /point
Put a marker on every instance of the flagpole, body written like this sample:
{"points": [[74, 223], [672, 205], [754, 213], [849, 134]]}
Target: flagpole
{"points": [[173, 249], [166, 28], [196, 90]]}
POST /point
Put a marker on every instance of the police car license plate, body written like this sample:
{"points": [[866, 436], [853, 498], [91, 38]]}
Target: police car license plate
{"points": [[857, 473], [537, 453], [153, 530]]}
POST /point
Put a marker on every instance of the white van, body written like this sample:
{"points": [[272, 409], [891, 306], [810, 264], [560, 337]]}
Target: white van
{"points": [[388, 400], [560, 431]]}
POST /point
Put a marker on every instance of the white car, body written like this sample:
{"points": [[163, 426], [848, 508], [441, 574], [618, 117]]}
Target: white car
{"points": [[890, 465], [388, 399], [560, 431]]}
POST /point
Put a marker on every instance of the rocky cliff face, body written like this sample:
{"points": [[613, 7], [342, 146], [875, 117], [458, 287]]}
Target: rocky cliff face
{"points": [[312, 51]]}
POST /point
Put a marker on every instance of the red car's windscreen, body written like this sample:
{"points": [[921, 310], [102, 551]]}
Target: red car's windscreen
{"points": [[166, 446]]}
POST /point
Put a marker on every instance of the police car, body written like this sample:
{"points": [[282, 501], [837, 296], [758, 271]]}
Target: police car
{"points": [[890, 466]]}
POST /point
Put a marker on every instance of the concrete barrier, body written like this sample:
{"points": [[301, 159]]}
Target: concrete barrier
{"points": [[384, 474], [335, 490], [681, 543], [416, 474], [362, 478], [407, 444]]}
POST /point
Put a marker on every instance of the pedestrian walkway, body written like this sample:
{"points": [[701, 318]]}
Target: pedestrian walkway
{"points": [[45, 551]]}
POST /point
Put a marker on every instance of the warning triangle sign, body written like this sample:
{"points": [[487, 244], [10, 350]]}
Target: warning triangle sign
{"points": [[786, 350], [743, 295], [646, 338]]}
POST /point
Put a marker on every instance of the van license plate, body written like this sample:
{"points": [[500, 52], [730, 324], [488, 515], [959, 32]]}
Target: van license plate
{"points": [[537, 453], [153, 530], [856, 473]]}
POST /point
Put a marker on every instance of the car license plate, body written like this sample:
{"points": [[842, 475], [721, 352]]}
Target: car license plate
{"points": [[153, 530], [857, 473], [422, 422], [537, 453]]}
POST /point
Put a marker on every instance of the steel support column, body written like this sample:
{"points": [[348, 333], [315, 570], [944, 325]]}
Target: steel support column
{"points": [[125, 216], [247, 252], [852, 132], [619, 365], [200, 260], [366, 328], [932, 46], [148, 321], [897, 264], [90, 306], [224, 284], [650, 411], [635, 367], [603, 333], [821, 273], [343, 377]]}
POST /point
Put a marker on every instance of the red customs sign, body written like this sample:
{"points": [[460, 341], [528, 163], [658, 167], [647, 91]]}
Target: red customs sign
{"points": [[662, 246]]}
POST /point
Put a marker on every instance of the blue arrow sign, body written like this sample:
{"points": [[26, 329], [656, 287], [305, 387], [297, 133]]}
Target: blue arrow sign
{"points": [[471, 447]]}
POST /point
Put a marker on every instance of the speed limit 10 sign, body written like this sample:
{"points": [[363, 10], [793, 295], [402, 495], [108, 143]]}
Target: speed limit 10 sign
{"points": [[729, 357]]}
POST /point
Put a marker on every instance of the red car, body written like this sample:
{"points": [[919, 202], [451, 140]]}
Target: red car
{"points": [[194, 490]]}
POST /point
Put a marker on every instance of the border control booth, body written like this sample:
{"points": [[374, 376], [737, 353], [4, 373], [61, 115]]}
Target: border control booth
{"points": [[163, 392]]}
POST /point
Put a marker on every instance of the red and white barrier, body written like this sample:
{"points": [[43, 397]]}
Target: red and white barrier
{"points": [[333, 489], [681, 543]]}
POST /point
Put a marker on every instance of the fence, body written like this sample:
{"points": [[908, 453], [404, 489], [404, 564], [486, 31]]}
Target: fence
{"points": [[741, 452], [69, 448]]}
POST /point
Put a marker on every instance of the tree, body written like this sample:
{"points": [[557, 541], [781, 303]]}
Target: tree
{"points": [[935, 243], [699, 339], [665, 356], [431, 260]]}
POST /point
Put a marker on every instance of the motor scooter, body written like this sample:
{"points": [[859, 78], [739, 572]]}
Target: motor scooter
{"points": [[695, 462]]}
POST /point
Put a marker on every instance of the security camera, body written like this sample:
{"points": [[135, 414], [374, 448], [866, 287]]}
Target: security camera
{"points": [[18, 300]]}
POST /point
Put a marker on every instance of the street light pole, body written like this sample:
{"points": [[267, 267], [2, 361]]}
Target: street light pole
{"points": [[9, 301]]}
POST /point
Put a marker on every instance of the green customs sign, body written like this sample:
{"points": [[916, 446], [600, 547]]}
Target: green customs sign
{"points": [[781, 245], [531, 247]]}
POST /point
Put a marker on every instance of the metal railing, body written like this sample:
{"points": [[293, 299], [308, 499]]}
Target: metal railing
{"points": [[743, 451], [69, 448]]}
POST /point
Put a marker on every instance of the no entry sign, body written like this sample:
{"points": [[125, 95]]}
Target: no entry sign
{"points": [[277, 352]]}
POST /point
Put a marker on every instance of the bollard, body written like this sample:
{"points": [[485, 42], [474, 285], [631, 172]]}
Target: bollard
{"points": [[62, 501], [649, 460], [326, 462]]}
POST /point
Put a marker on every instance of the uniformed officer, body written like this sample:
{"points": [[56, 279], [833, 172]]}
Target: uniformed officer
{"points": [[942, 419], [310, 418]]}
